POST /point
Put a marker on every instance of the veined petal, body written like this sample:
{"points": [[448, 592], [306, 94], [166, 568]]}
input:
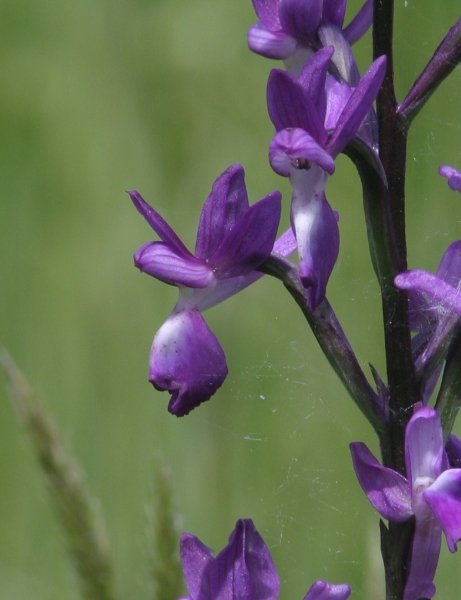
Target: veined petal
{"points": [[291, 147], [322, 590], [424, 559], [439, 292], [453, 176], [244, 570], [358, 106], [251, 240], [343, 57], [162, 262], [387, 490], [444, 498], [334, 11], [196, 559], [289, 106], [338, 95], [360, 23], [159, 225], [424, 452], [268, 13], [271, 44], [186, 360], [313, 77], [224, 207], [300, 19]]}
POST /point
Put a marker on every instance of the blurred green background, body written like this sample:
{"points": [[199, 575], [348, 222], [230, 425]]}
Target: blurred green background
{"points": [[100, 96]]}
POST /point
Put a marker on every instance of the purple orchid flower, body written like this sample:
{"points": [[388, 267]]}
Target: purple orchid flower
{"points": [[431, 493], [244, 570], [233, 240], [292, 29], [313, 127], [432, 296]]}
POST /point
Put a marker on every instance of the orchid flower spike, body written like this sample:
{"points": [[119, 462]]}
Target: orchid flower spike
{"points": [[233, 240], [293, 29], [243, 570], [313, 127], [431, 493]]}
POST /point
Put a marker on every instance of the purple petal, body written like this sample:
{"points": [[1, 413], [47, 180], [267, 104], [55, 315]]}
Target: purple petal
{"points": [[289, 105], [313, 77], [271, 44], [316, 229], [244, 570], [450, 266], [334, 11], [162, 262], [291, 148], [268, 13], [251, 240], [196, 558], [159, 225], [453, 176], [387, 490], [440, 293], [286, 244], [358, 106], [187, 361], [225, 288], [444, 498], [453, 450], [360, 23], [424, 559], [300, 19], [224, 207], [338, 95], [424, 452], [343, 57], [322, 590]]}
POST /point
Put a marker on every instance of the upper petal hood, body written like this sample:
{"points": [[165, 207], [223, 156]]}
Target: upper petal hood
{"points": [[223, 208], [250, 241], [244, 570], [424, 451]]}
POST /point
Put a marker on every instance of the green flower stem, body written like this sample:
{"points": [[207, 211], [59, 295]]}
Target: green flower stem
{"points": [[86, 539], [333, 343]]}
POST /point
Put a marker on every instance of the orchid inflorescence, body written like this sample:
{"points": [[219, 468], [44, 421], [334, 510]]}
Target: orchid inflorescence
{"points": [[321, 106]]}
